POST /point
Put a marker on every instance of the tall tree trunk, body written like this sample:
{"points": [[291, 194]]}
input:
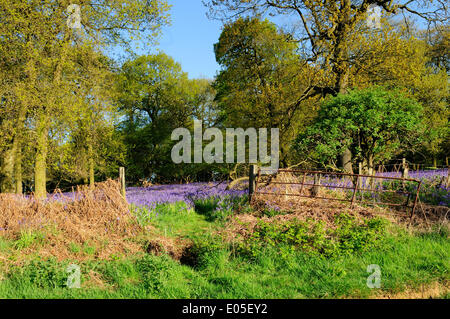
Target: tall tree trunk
{"points": [[18, 150], [7, 171], [370, 170], [18, 170], [341, 69], [43, 126], [40, 168], [91, 166], [346, 161], [18, 158]]}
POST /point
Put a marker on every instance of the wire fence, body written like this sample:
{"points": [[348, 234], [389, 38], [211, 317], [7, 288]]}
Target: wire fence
{"points": [[344, 187]]}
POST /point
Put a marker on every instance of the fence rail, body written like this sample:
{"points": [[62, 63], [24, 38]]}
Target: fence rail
{"points": [[360, 183]]}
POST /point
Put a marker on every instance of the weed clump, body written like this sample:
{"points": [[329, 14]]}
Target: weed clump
{"points": [[348, 236], [41, 274]]}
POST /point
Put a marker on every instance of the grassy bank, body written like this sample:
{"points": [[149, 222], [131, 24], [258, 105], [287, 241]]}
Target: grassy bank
{"points": [[214, 268]]}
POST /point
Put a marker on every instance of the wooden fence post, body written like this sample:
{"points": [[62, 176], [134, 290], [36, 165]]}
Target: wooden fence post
{"points": [[361, 181], [360, 172], [251, 181], [405, 172], [355, 190], [369, 180], [316, 187], [303, 183], [405, 169], [122, 181]]}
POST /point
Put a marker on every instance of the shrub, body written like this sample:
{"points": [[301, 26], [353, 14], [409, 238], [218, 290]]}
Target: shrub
{"points": [[349, 236], [42, 274], [154, 271], [353, 236]]}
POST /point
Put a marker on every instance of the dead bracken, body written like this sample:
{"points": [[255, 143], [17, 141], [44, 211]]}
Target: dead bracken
{"points": [[98, 218]]}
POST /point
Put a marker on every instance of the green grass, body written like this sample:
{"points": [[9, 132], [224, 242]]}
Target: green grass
{"points": [[5, 245], [219, 270], [28, 238], [174, 220], [412, 262]]}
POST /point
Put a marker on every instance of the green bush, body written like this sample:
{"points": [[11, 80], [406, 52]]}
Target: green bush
{"points": [[353, 236], [204, 206], [349, 236], [154, 271], [42, 274]]}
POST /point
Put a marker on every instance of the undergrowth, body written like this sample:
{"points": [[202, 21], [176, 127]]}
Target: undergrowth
{"points": [[273, 259], [220, 208], [89, 217], [221, 272]]}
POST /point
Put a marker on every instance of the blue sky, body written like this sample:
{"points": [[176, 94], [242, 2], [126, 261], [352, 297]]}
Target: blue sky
{"points": [[190, 38]]}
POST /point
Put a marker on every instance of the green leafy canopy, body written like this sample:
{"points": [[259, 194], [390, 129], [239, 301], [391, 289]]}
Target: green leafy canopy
{"points": [[374, 123]]}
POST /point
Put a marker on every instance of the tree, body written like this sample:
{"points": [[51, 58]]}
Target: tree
{"points": [[91, 124], [373, 123], [433, 92], [403, 59], [327, 30], [261, 82], [157, 97], [327, 27], [439, 42], [45, 40]]}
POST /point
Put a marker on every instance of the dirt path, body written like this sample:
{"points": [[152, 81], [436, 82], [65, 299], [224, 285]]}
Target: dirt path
{"points": [[432, 291]]}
